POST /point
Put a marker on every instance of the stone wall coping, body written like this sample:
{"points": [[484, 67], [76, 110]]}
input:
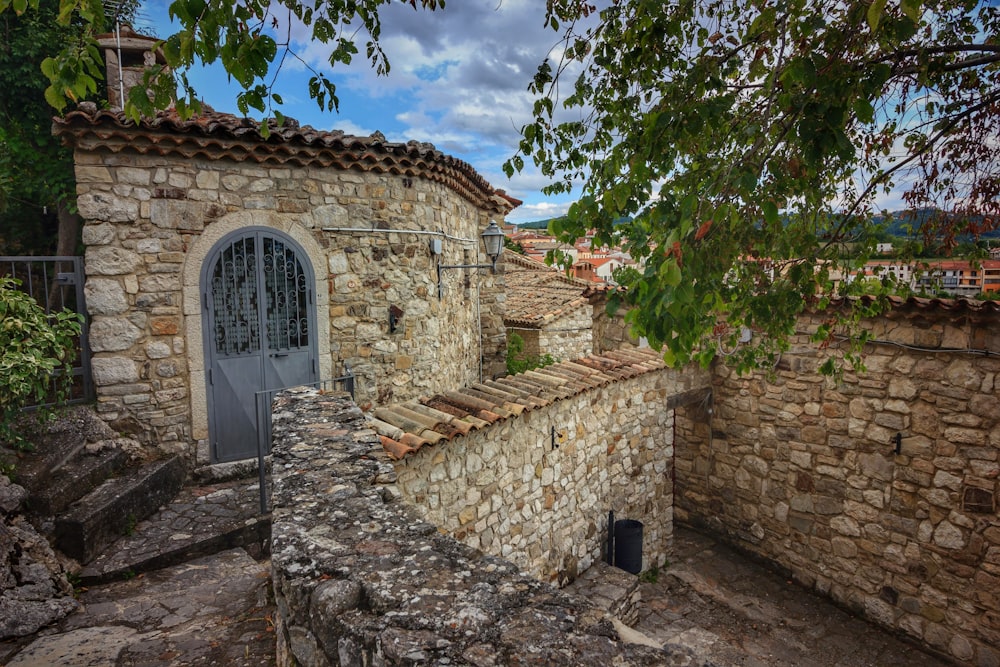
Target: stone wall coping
{"points": [[406, 427], [359, 579]]}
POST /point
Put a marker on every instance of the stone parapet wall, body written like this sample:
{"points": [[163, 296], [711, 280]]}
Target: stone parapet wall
{"points": [[611, 332], [802, 470], [570, 336], [151, 221], [360, 579], [536, 488]]}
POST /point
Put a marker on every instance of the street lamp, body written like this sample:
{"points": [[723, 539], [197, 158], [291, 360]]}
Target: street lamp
{"points": [[493, 242]]}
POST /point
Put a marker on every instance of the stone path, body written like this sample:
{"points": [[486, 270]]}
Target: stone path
{"points": [[734, 612], [212, 611]]}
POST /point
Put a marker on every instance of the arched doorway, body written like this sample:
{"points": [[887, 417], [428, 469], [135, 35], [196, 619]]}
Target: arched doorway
{"points": [[258, 323]]}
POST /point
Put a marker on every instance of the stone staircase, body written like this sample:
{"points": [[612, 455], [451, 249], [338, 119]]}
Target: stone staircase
{"points": [[118, 515]]}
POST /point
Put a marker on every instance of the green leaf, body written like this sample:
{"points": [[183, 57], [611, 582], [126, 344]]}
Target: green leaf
{"points": [[875, 11], [911, 9]]}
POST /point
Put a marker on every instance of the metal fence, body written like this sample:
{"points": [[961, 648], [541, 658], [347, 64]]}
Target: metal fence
{"points": [[263, 401], [57, 283]]}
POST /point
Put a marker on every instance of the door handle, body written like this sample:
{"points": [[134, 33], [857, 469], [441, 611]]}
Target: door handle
{"points": [[279, 354]]}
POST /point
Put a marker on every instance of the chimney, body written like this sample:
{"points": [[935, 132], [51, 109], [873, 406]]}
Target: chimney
{"points": [[127, 54]]}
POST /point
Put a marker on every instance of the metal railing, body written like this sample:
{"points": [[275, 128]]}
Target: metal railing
{"points": [[263, 401], [57, 283]]}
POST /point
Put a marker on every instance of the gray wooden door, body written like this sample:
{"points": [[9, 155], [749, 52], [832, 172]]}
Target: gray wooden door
{"points": [[259, 318]]}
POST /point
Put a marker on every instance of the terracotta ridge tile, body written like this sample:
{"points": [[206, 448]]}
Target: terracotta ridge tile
{"points": [[445, 418], [499, 404], [573, 377], [384, 428], [392, 416], [396, 450], [441, 403], [434, 425], [478, 403], [522, 395], [569, 384], [414, 441], [506, 396], [594, 373], [544, 390]]}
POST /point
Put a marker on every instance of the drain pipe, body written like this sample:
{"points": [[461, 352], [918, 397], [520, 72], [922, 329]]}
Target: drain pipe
{"points": [[611, 537]]}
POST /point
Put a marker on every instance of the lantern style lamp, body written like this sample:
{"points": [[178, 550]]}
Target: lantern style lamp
{"points": [[493, 242]]}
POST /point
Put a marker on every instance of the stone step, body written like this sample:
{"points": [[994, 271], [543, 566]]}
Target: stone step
{"points": [[254, 538], [74, 480], [115, 507], [199, 521]]}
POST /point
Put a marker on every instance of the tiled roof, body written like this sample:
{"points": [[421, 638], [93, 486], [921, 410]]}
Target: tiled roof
{"points": [[213, 135], [406, 427], [538, 293], [919, 304]]}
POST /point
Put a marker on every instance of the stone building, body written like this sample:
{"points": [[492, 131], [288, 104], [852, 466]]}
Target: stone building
{"points": [[549, 310], [222, 261], [560, 315]]}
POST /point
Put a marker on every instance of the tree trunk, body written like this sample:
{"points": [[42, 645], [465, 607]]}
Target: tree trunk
{"points": [[66, 246]]}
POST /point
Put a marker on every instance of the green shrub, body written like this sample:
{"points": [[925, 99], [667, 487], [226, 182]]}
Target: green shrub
{"points": [[33, 347], [518, 362]]}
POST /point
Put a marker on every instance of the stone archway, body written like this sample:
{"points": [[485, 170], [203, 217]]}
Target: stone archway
{"points": [[198, 253]]}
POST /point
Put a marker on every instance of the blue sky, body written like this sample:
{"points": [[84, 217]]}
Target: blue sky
{"points": [[459, 80]]}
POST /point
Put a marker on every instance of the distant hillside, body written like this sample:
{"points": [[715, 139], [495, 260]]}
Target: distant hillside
{"points": [[908, 223], [535, 224], [900, 224]]}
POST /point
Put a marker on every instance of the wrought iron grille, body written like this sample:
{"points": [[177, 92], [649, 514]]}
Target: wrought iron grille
{"points": [[286, 286], [235, 299]]}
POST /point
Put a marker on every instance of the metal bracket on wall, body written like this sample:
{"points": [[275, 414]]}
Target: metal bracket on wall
{"points": [[558, 437]]}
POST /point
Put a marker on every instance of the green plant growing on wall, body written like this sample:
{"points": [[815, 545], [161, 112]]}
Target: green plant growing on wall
{"points": [[518, 362], [34, 345]]}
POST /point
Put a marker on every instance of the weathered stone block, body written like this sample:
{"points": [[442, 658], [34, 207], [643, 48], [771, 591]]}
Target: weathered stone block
{"points": [[105, 297], [111, 261], [113, 334], [113, 370]]}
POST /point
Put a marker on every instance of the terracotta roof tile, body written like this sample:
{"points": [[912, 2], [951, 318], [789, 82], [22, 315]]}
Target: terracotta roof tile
{"points": [[537, 293], [395, 450], [406, 427], [216, 135], [518, 392], [919, 304]]}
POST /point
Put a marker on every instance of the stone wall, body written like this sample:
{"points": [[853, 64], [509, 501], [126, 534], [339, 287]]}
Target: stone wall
{"points": [[610, 332], [151, 220], [536, 489], [360, 579], [570, 336], [802, 470]]}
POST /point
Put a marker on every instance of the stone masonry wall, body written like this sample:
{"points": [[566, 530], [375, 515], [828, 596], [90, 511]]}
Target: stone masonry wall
{"points": [[360, 579], [802, 470], [570, 336], [508, 491], [151, 222], [610, 332]]}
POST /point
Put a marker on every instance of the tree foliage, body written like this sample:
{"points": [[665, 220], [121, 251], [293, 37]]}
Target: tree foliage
{"points": [[237, 33], [37, 184], [747, 140], [36, 172]]}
